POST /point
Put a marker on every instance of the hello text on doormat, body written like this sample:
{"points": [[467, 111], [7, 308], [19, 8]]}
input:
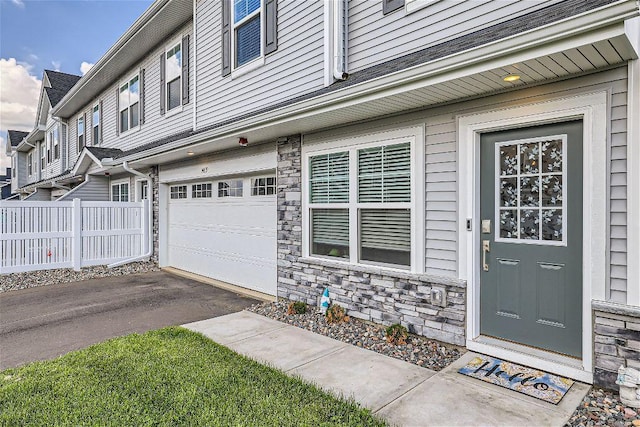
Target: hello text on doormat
{"points": [[542, 385]]}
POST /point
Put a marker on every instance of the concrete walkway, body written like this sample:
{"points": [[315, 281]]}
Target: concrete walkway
{"points": [[400, 392]]}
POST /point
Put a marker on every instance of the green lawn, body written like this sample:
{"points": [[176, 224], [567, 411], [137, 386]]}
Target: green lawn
{"points": [[167, 377]]}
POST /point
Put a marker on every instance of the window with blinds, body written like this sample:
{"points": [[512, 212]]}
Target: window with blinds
{"points": [[330, 232], [384, 174], [381, 211], [329, 182]]}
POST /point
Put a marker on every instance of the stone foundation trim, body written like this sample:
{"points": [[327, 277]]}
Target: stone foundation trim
{"points": [[381, 271], [616, 340]]}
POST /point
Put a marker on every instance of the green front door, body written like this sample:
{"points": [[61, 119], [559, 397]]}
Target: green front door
{"points": [[531, 236]]}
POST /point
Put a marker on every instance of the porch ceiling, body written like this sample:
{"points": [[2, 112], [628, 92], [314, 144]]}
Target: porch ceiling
{"points": [[535, 65]]}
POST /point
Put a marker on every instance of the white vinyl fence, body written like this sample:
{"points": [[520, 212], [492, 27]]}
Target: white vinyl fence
{"points": [[70, 234]]}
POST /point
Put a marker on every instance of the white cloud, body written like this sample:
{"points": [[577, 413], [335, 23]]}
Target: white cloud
{"points": [[56, 65], [19, 3], [5, 161], [84, 67], [19, 94]]}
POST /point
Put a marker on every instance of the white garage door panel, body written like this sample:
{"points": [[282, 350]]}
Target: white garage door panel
{"points": [[230, 239]]}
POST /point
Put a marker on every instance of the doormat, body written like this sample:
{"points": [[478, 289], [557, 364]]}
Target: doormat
{"points": [[542, 385]]}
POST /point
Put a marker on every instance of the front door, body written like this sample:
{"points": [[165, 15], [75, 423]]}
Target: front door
{"points": [[531, 236]]}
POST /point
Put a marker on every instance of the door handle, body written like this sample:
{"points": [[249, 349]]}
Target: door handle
{"points": [[485, 249]]}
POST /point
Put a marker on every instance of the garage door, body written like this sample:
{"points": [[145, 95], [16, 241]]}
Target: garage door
{"points": [[225, 230]]}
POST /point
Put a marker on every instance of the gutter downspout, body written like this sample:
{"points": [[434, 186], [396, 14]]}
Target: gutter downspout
{"points": [[340, 20], [125, 166]]}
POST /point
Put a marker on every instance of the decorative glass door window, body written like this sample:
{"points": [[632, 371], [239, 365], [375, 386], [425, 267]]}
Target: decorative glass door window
{"points": [[531, 192]]}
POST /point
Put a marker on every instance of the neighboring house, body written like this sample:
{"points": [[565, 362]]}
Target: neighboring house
{"points": [[468, 169], [41, 158], [5, 184]]}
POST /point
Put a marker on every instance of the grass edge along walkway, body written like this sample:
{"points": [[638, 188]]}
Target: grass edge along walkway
{"points": [[170, 376]]}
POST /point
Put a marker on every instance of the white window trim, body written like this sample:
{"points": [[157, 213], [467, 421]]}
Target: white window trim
{"points": [[417, 205], [213, 190], [120, 84], [186, 192], [119, 182], [237, 71], [84, 132], [178, 109], [93, 125], [30, 164], [228, 199], [592, 109]]}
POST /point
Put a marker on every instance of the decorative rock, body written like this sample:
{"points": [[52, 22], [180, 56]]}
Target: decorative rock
{"points": [[418, 350], [32, 279], [629, 413]]}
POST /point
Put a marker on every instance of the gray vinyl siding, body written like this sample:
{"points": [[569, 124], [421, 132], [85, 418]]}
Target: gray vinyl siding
{"points": [[156, 126], [297, 67], [96, 189], [375, 38], [441, 165], [40, 195], [36, 166], [21, 169]]}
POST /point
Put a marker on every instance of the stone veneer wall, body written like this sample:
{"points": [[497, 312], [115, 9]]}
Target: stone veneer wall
{"points": [[370, 293], [155, 194], [616, 341]]}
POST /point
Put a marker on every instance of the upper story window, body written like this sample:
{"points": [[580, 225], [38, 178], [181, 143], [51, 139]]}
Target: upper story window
{"points": [[174, 77], [129, 104], [43, 157], [49, 139], [81, 140], [56, 142], [249, 31], [95, 124], [30, 163]]}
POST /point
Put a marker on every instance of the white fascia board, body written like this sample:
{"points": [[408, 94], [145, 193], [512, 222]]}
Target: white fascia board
{"points": [[81, 160], [598, 24], [156, 7]]}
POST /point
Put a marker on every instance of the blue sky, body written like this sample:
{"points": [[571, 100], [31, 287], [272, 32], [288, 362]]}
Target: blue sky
{"points": [[49, 34], [62, 35]]}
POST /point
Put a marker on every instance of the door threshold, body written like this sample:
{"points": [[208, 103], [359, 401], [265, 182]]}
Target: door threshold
{"points": [[536, 358]]}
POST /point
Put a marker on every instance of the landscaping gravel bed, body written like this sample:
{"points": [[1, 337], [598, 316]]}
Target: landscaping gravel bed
{"points": [[603, 408], [418, 350], [32, 279]]}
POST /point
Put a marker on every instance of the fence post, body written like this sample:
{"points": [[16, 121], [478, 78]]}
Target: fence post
{"points": [[76, 239], [146, 226]]}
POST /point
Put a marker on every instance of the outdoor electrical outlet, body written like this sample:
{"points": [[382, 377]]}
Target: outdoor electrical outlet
{"points": [[438, 297]]}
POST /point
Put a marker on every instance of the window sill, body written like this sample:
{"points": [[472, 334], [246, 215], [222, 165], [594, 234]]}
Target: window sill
{"points": [[174, 111], [415, 5], [385, 271], [248, 67], [129, 132]]}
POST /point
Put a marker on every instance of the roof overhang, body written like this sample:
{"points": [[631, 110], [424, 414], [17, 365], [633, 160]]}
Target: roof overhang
{"points": [[28, 142], [158, 22], [469, 74], [84, 162]]}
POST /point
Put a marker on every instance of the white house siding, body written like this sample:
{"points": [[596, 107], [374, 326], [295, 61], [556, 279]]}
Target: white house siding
{"points": [[441, 164], [294, 69], [156, 126], [370, 42]]}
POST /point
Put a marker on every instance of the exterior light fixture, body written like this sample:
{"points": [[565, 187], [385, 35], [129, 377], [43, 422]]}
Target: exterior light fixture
{"points": [[190, 153], [243, 141], [511, 78]]}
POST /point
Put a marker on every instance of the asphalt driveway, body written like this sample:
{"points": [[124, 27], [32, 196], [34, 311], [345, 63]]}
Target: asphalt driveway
{"points": [[46, 322]]}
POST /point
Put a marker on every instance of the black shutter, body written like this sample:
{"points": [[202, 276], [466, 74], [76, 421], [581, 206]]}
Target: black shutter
{"points": [[117, 111], [185, 70], [142, 91], [226, 38], [101, 121], [271, 26], [162, 85], [389, 6]]}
